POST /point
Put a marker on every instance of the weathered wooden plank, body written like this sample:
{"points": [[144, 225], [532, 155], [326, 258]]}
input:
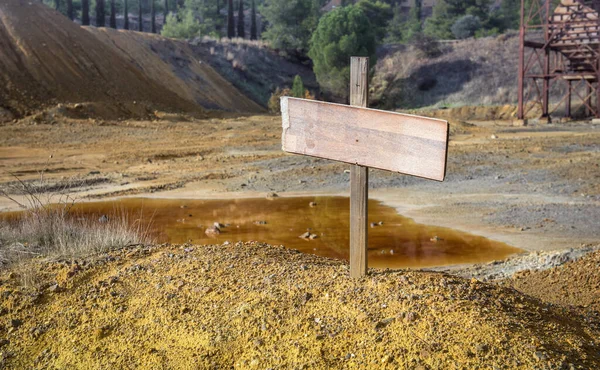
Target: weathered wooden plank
{"points": [[359, 177], [359, 211], [390, 141]]}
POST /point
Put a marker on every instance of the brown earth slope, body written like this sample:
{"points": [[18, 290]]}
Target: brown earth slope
{"points": [[172, 64], [577, 283], [46, 59], [256, 306]]}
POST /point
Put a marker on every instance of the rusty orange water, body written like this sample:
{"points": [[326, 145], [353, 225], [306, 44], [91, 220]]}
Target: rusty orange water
{"points": [[398, 242]]}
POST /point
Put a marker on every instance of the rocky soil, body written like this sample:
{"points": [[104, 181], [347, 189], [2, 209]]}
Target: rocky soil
{"points": [[251, 305]]}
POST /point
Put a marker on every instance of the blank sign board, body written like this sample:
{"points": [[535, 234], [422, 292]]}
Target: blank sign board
{"points": [[390, 141]]}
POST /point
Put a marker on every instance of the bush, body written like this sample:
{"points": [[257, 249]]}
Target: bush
{"points": [[183, 26], [275, 100], [341, 34], [427, 45], [466, 26]]}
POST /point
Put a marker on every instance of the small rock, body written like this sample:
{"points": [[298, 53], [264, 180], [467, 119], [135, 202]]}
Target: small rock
{"points": [[212, 231], [102, 332], [346, 171], [411, 317], [260, 222], [494, 137], [272, 195], [312, 204], [4, 342], [103, 219], [436, 239], [385, 322], [540, 356], [306, 235], [55, 288], [218, 225], [313, 236], [320, 337], [303, 267], [15, 323], [482, 348], [386, 359]]}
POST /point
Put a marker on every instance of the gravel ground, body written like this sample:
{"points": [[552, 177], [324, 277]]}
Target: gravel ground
{"points": [[251, 305]]}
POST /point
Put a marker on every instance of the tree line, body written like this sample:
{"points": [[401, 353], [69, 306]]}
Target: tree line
{"points": [[328, 38]]}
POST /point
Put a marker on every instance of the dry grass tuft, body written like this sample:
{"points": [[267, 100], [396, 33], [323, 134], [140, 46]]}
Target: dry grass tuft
{"points": [[49, 226]]}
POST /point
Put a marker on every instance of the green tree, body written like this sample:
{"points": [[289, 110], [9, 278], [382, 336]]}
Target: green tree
{"points": [[85, 12], [341, 34], [70, 9], [413, 25], [466, 26], [290, 23], [113, 14], [379, 14], [100, 15], [153, 16], [140, 15], [241, 23], [181, 26], [298, 87], [230, 20], [166, 10], [126, 14], [253, 27], [447, 12]]}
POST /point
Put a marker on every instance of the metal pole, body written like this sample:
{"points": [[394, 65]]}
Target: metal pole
{"points": [[521, 87], [546, 81]]}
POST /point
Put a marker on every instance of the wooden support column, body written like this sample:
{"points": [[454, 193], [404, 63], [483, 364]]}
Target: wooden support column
{"points": [[359, 177], [569, 99]]}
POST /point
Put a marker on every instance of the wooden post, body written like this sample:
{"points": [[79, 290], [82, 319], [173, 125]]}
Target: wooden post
{"points": [[359, 177]]}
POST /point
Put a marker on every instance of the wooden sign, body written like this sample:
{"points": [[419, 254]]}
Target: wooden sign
{"points": [[390, 141], [363, 137]]}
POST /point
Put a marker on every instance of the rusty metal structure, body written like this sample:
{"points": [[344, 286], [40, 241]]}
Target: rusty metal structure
{"points": [[559, 51]]}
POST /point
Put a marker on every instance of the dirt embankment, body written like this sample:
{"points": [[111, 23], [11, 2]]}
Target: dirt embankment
{"points": [[46, 59], [173, 65], [256, 306], [576, 283]]}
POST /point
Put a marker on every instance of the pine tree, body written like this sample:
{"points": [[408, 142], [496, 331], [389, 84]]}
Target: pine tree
{"points": [[230, 20], [166, 11], [140, 14], [126, 14], [218, 23], [56, 4], [153, 15], [70, 9], [113, 14], [253, 29], [241, 25], [100, 16], [85, 12], [298, 87]]}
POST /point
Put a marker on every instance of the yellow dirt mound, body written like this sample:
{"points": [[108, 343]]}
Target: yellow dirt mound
{"points": [[256, 306]]}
